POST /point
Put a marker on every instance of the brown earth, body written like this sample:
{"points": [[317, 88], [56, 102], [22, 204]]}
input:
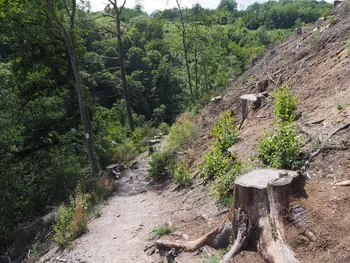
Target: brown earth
{"points": [[316, 67]]}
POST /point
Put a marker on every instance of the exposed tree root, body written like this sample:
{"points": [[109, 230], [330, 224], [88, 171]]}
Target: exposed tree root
{"points": [[261, 199]]}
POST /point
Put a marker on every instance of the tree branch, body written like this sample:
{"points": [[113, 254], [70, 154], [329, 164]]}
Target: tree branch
{"points": [[66, 7], [121, 8]]}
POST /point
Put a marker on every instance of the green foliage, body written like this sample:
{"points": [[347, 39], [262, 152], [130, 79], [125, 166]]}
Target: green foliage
{"points": [[228, 200], [162, 231], [64, 218], [223, 168], [181, 174], [225, 131], [215, 163], [220, 165], [159, 165], [42, 148], [285, 105], [214, 258], [340, 107], [223, 180], [71, 220], [164, 128], [281, 148], [181, 134], [98, 214]]}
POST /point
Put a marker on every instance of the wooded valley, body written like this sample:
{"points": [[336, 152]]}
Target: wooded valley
{"points": [[80, 90]]}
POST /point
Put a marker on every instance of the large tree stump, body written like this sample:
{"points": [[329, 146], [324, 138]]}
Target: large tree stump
{"points": [[261, 202]]}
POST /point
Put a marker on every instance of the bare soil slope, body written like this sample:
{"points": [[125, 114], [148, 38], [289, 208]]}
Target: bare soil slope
{"points": [[316, 66]]}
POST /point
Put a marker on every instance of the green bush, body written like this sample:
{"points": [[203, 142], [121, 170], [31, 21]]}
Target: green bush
{"points": [[223, 181], [225, 131], [281, 148], [182, 133], [159, 165], [215, 162], [164, 128], [71, 221], [162, 231], [181, 174], [64, 218], [285, 105], [223, 169]]}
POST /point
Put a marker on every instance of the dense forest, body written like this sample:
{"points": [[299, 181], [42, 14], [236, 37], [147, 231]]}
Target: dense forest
{"points": [[77, 86]]}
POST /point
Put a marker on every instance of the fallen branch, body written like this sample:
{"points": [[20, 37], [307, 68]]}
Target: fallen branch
{"points": [[323, 147], [344, 183]]}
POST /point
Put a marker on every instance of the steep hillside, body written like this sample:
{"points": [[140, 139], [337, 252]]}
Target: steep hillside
{"points": [[316, 67]]}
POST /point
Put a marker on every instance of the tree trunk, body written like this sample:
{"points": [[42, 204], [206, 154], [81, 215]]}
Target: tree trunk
{"points": [[183, 31], [261, 202], [70, 44], [122, 67]]}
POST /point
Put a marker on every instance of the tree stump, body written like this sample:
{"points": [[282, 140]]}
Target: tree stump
{"points": [[261, 201], [152, 146]]}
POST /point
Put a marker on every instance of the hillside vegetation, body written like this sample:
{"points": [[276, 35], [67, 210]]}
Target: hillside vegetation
{"points": [[72, 102]]}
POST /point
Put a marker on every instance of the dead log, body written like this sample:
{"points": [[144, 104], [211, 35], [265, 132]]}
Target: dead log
{"points": [[261, 201]]}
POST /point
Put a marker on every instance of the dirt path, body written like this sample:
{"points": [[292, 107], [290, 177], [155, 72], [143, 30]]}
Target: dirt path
{"points": [[124, 230]]}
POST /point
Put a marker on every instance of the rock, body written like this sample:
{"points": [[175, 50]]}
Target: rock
{"points": [[49, 254]]}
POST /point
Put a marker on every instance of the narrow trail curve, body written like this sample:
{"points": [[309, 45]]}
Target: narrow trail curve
{"points": [[124, 229]]}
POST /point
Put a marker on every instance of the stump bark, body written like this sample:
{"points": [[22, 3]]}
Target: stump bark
{"points": [[261, 202]]}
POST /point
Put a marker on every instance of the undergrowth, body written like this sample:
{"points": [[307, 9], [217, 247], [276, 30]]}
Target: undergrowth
{"points": [[221, 166], [163, 163], [285, 105], [162, 231], [71, 220], [181, 174], [282, 147]]}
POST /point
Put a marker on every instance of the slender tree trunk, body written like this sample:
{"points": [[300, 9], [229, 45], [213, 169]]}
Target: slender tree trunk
{"points": [[196, 65], [69, 41], [183, 31], [122, 64]]}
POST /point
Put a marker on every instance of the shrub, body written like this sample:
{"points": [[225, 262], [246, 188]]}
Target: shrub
{"points": [[128, 150], [181, 134], [225, 131], [281, 149], [215, 162], [162, 231], [285, 105], [71, 220], [64, 218], [223, 181], [159, 165], [98, 214], [181, 174], [164, 128]]}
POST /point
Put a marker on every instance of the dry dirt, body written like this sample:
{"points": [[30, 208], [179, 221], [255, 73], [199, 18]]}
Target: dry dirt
{"points": [[123, 233]]}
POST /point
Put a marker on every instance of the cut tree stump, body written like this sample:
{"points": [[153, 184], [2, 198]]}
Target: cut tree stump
{"points": [[261, 202], [262, 198]]}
